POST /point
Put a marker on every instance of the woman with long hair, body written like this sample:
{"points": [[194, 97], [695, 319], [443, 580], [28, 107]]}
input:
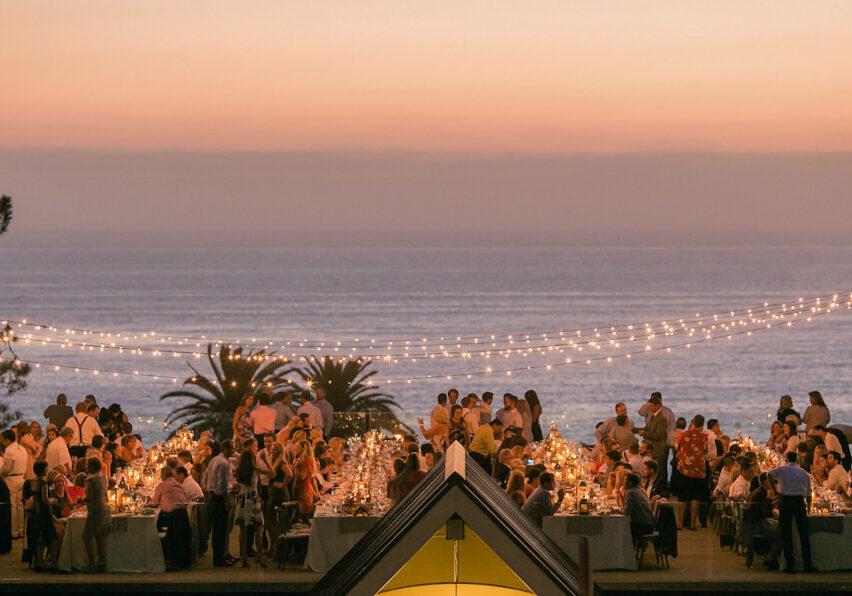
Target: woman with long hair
{"points": [[248, 510], [25, 439], [304, 484], [791, 437], [817, 413], [785, 409], [98, 517], [456, 431], [535, 410], [38, 436], [241, 426], [397, 485]]}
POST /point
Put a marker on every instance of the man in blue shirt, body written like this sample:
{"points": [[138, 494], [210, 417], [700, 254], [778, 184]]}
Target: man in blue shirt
{"points": [[794, 486], [218, 479]]}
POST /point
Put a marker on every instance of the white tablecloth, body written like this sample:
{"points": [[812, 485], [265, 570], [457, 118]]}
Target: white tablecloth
{"points": [[831, 549], [610, 544], [332, 536], [134, 545]]}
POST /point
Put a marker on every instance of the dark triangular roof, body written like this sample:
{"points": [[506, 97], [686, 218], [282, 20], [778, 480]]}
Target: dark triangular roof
{"points": [[473, 495]]}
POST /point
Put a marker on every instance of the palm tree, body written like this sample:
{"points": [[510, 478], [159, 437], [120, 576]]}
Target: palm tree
{"points": [[215, 400], [348, 389]]}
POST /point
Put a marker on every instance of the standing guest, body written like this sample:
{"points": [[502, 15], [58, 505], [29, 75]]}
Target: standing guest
{"points": [[785, 410], [440, 413], [281, 475], [456, 431], [61, 509], [38, 436], [535, 409], [526, 417], [645, 411], [313, 413], [191, 489], [539, 504], [838, 479], [241, 424], [84, 428], [218, 481], [637, 508], [284, 410], [57, 455], [60, 412], [327, 411], [605, 428], [262, 419], [452, 397], [40, 529], [304, 483], [98, 519], [263, 461], [794, 486], [484, 408], [656, 433], [691, 462], [248, 511], [483, 447], [471, 420], [509, 414], [437, 434], [25, 439], [13, 470], [817, 413]]}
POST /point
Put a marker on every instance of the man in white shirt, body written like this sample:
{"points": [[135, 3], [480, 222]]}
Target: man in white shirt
{"points": [[634, 459], [84, 427], [741, 487], [262, 419], [57, 455], [837, 480], [724, 482], [313, 412], [509, 414], [471, 420], [14, 467], [483, 408], [832, 443], [327, 411], [191, 489]]}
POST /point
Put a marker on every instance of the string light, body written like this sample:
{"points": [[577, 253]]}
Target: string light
{"points": [[444, 340], [611, 340], [815, 311]]}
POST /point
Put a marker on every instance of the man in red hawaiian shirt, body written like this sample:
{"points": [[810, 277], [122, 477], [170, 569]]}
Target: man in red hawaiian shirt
{"points": [[691, 456]]}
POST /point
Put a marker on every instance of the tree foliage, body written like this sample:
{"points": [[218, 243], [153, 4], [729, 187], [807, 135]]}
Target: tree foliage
{"points": [[348, 387], [13, 372], [5, 213], [213, 400]]}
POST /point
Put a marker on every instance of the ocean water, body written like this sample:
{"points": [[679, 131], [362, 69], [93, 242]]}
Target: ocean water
{"points": [[347, 293]]}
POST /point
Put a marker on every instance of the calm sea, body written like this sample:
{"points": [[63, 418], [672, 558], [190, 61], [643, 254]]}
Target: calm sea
{"points": [[411, 292]]}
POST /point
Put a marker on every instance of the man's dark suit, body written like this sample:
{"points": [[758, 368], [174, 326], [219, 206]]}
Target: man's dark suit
{"points": [[656, 433]]}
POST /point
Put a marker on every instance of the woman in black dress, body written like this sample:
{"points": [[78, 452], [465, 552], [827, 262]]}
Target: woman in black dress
{"points": [[40, 530]]}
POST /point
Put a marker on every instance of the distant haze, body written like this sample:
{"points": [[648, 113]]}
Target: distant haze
{"points": [[426, 198]]}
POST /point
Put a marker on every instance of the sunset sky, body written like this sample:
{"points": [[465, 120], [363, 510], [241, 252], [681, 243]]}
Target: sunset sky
{"points": [[453, 78]]}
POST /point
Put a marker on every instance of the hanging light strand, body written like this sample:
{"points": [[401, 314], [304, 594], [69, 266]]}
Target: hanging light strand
{"points": [[447, 339]]}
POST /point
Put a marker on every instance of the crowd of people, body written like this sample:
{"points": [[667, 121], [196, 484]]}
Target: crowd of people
{"points": [[280, 453], [707, 467]]}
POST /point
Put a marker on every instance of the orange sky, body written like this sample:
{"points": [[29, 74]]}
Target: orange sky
{"points": [[440, 75]]}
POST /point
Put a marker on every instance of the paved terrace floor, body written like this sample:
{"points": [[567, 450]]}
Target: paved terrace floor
{"points": [[701, 567]]}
